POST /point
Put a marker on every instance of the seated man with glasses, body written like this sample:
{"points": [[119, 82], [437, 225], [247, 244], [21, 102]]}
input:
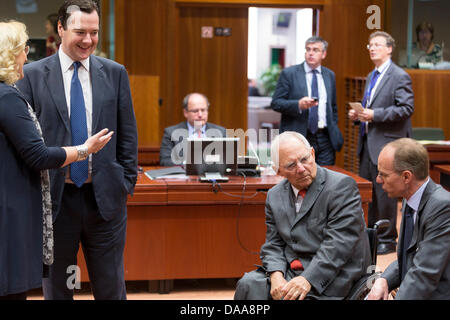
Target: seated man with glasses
{"points": [[316, 246], [195, 110]]}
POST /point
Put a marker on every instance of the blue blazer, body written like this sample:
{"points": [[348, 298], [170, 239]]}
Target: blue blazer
{"points": [[23, 154], [114, 168], [291, 87]]}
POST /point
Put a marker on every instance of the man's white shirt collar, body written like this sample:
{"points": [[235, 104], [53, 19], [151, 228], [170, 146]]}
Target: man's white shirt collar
{"points": [[309, 69], [67, 62], [384, 66]]}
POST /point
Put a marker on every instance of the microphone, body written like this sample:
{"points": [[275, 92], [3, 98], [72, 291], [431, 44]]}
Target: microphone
{"points": [[250, 146]]}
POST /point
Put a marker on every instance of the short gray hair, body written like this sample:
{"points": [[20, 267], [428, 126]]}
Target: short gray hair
{"points": [[315, 39], [275, 146]]}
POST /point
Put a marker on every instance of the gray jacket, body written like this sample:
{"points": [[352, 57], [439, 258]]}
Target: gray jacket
{"points": [[327, 235], [428, 275]]}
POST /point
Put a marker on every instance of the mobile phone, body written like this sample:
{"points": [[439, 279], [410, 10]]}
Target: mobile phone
{"points": [[315, 99]]}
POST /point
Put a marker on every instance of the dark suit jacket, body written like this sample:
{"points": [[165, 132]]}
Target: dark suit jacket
{"points": [[23, 154], [174, 138], [428, 275], [291, 87], [327, 235], [114, 168], [393, 106]]}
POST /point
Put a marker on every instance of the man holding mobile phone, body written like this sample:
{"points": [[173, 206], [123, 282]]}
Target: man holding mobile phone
{"points": [[306, 98]]}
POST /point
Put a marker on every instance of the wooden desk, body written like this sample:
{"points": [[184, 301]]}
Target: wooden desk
{"points": [[181, 229], [438, 154], [444, 175]]}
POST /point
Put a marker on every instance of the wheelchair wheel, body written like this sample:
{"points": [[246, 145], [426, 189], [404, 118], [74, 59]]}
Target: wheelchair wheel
{"points": [[361, 288]]}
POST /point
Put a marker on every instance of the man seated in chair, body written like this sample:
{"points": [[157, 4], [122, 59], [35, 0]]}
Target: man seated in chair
{"points": [[422, 269], [316, 245], [195, 110]]}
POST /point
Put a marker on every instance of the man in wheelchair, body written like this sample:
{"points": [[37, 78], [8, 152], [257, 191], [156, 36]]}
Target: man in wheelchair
{"points": [[422, 269], [316, 245]]}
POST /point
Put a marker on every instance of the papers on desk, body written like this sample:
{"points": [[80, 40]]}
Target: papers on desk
{"points": [[442, 142], [357, 106], [167, 173]]}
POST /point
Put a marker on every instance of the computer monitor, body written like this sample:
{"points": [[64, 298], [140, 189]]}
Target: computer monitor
{"points": [[212, 155]]}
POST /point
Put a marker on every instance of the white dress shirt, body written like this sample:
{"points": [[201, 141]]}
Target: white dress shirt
{"points": [[85, 80], [322, 111], [382, 70]]}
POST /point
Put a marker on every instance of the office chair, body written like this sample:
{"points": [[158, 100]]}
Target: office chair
{"points": [[425, 133], [361, 289]]}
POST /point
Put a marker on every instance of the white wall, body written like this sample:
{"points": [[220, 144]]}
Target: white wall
{"points": [[264, 35]]}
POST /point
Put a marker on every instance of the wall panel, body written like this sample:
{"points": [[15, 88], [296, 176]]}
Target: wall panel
{"points": [[216, 67]]}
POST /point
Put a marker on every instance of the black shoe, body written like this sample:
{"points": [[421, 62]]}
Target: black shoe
{"points": [[385, 248]]}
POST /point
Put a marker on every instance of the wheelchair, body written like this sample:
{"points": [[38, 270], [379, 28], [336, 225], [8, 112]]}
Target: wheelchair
{"points": [[361, 288]]}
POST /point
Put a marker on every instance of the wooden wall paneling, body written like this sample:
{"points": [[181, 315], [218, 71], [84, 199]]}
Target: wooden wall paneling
{"points": [[272, 3], [343, 25], [141, 45], [431, 99], [216, 67], [119, 31], [145, 95]]}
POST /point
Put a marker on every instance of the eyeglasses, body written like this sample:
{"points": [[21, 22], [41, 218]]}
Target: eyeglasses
{"points": [[376, 45], [315, 50], [385, 175], [202, 110], [303, 161], [26, 50]]}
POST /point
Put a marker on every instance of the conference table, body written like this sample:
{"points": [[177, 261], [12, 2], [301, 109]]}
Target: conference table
{"points": [[187, 229]]}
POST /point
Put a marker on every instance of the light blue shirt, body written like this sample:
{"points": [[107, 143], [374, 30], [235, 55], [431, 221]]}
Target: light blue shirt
{"points": [[414, 200], [193, 133], [322, 111]]}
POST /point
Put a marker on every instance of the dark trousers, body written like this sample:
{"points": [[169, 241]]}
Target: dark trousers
{"points": [[320, 141], [103, 242], [382, 207]]}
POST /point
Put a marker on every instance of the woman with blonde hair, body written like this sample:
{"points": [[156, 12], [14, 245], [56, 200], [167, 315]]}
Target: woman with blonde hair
{"points": [[26, 234]]}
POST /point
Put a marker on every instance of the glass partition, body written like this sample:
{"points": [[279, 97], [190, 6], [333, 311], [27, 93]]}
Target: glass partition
{"points": [[421, 30]]}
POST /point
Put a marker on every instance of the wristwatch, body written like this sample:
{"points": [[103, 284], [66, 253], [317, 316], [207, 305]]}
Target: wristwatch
{"points": [[82, 152]]}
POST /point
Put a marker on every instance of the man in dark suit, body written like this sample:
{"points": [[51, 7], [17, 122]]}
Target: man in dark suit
{"points": [[389, 105], [173, 144], [306, 98], [422, 269], [316, 245], [75, 93]]}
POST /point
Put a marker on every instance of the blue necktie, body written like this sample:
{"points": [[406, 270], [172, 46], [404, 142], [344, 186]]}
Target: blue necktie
{"points": [[407, 236], [313, 117], [366, 98], [78, 170]]}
